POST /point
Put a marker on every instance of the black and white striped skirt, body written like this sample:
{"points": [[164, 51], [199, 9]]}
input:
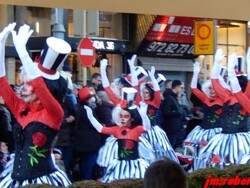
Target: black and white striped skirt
{"points": [[230, 148], [57, 178], [160, 143]]}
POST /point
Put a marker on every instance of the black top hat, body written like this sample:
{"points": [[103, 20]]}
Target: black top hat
{"points": [[128, 94], [239, 68], [53, 55], [141, 73], [160, 78], [223, 70]]}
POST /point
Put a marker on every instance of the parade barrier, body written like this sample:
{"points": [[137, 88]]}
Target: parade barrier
{"points": [[229, 177]]}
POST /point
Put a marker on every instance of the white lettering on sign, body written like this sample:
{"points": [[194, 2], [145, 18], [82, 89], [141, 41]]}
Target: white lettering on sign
{"points": [[104, 45], [110, 45], [186, 30], [87, 52], [170, 48], [182, 30]]}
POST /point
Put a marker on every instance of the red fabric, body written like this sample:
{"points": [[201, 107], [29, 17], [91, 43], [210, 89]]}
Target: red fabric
{"points": [[112, 96], [156, 102], [48, 111], [124, 132], [205, 99], [223, 93], [226, 96]]}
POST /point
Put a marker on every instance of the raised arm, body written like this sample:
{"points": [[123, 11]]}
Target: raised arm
{"points": [[234, 83], [14, 103], [20, 40], [3, 36], [196, 70], [143, 112], [93, 120], [215, 74], [105, 82], [247, 91], [131, 63]]}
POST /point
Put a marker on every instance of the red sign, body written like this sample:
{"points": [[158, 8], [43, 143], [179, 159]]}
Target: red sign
{"points": [[86, 52], [169, 36]]}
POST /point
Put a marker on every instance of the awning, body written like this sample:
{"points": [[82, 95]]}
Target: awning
{"points": [[167, 64]]}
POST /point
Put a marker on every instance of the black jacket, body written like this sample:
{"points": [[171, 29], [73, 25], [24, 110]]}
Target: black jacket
{"points": [[172, 112], [87, 139]]}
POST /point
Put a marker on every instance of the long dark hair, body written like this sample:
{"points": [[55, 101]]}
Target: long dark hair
{"points": [[57, 88], [242, 81], [150, 90], [136, 117]]}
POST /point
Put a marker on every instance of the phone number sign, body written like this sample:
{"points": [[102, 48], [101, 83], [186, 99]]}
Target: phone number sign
{"points": [[166, 49]]}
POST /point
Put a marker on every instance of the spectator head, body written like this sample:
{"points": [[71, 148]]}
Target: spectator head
{"points": [[84, 94], [176, 86], [103, 96], [165, 173], [96, 79], [182, 87], [168, 84]]}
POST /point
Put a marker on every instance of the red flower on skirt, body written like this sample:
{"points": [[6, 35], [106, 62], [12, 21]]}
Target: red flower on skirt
{"points": [[218, 111], [39, 139], [215, 159], [129, 144], [202, 144]]}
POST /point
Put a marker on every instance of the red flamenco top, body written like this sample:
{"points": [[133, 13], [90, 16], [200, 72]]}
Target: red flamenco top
{"points": [[48, 111], [128, 139]]}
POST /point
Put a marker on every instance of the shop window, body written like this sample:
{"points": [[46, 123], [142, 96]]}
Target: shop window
{"points": [[37, 18]]}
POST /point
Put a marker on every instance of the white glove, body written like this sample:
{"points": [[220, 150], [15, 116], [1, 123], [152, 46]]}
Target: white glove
{"points": [[223, 83], [32, 71], [234, 83], [3, 36], [235, 86], [217, 60], [92, 119], [131, 63], [196, 71], [248, 63], [103, 66], [20, 40], [151, 74], [232, 61], [143, 112]]}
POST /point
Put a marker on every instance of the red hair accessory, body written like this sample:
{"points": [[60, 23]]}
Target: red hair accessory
{"points": [[123, 103]]}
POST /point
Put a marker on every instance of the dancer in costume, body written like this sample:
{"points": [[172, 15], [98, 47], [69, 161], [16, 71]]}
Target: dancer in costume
{"points": [[150, 94], [212, 110], [38, 113], [234, 140], [129, 163], [109, 151]]}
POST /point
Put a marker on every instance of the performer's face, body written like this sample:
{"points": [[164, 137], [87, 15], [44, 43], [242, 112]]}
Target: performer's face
{"points": [[125, 118], [27, 92], [211, 91], [145, 94]]}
